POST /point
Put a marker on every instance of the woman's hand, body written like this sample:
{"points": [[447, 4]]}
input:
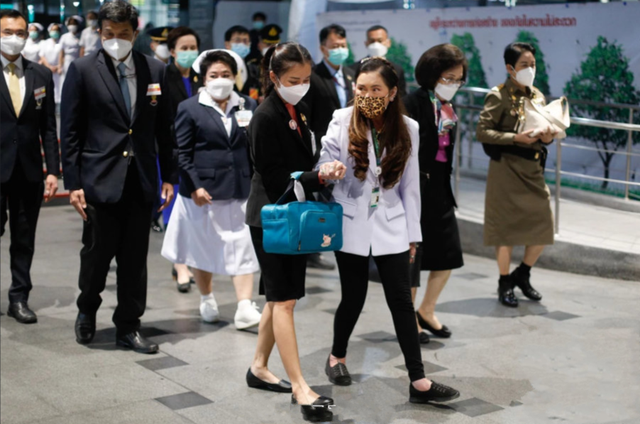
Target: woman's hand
{"points": [[201, 197], [335, 170], [524, 137], [548, 136], [412, 252]]}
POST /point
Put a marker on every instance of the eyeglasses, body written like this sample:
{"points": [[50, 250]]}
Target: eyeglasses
{"points": [[451, 81]]}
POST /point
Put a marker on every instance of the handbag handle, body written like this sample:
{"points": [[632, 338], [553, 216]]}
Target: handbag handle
{"points": [[298, 190]]}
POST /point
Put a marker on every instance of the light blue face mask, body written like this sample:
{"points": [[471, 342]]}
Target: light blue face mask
{"points": [[258, 25], [33, 35], [185, 58], [240, 48], [338, 56], [54, 34]]}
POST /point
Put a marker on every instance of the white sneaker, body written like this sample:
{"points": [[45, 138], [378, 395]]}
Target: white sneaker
{"points": [[247, 315], [209, 310]]}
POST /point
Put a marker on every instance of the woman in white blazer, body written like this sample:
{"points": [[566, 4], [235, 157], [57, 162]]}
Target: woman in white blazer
{"points": [[380, 196]]}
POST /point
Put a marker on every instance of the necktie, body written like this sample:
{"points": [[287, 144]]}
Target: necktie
{"points": [[124, 87], [14, 88]]}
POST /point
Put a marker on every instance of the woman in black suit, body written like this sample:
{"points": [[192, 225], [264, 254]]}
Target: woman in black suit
{"points": [[281, 143], [207, 229], [183, 82], [440, 72]]}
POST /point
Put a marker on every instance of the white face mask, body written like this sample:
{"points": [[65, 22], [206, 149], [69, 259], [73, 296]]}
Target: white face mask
{"points": [[526, 76], [377, 49], [72, 28], [446, 92], [220, 88], [12, 45], [162, 51], [293, 94], [92, 23], [117, 48]]}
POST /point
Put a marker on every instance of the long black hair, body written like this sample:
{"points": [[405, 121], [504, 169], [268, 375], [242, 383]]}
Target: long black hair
{"points": [[279, 59]]}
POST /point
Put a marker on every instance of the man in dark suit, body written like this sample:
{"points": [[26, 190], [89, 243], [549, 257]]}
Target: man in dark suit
{"points": [[27, 112], [378, 44], [115, 108]]}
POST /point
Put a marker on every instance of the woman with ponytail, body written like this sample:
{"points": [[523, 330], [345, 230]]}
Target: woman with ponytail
{"points": [[380, 197], [280, 144]]}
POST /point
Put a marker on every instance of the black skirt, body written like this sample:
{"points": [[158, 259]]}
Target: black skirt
{"points": [[440, 248], [282, 277]]}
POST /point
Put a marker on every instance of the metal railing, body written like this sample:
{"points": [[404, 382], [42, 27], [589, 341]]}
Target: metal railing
{"points": [[629, 127]]}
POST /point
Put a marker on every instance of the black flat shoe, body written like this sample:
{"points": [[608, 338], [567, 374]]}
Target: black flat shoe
{"points": [[444, 332], [254, 382], [437, 393], [338, 374], [21, 312], [316, 260], [424, 337], [85, 328], [136, 342], [505, 292], [521, 280], [318, 411]]}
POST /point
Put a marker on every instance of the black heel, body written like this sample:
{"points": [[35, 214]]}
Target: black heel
{"points": [[319, 410]]}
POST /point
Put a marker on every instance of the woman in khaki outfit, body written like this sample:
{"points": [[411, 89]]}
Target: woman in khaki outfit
{"points": [[517, 208]]}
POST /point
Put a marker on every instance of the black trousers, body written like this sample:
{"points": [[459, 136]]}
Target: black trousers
{"points": [[354, 279], [20, 204], [119, 230]]}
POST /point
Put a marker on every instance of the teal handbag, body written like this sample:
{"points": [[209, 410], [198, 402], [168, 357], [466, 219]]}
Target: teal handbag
{"points": [[301, 227]]}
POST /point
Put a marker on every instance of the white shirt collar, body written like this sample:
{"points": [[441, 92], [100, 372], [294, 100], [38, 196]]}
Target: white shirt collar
{"points": [[128, 62], [205, 99], [19, 63]]}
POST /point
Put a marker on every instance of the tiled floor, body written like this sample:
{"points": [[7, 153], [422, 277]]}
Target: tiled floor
{"points": [[573, 358]]}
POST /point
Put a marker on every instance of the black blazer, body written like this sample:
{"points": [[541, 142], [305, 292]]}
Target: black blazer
{"points": [[20, 136], [420, 108], [277, 150], [402, 83], [207, 157], [176, 87], [322, 99], [96, 129]]}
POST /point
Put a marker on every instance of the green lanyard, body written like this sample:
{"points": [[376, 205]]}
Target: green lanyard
{"points": [[374, 136]]}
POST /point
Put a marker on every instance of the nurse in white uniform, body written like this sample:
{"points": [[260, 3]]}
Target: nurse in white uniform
{"points": [[207, 229], [50, 57], [31, 50], [70, 44]]}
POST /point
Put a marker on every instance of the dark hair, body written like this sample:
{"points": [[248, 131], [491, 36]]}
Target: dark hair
{"points": [[92, 12], [218, 56], [435, 61], [376, 28], [118, 11], [236, 29], [332, 29], [259, 15], [279, 59], [394, 139], [13, 14], [514, 50], [177, 33]]}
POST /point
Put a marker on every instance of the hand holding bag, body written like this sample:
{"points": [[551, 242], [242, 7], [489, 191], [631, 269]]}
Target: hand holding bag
{"points": [[539, 118], [301, 227]]}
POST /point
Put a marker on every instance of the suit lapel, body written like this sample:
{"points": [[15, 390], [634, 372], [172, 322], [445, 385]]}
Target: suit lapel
{"points": [[143, 75], [108, 74], [176, 80], [348, 80], [279, 103], [217, 118], [373, 164], [4, 93], [329, 83], [28, 85]]}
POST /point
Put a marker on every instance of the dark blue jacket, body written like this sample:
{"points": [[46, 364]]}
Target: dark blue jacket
{"points": [[96, 130], [207, 157]]}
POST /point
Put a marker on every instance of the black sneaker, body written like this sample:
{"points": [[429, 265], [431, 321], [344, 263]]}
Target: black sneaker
{"points": [[437, 393]]}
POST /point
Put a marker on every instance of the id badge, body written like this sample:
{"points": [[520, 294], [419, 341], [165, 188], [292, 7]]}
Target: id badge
{"points": [[243, 117], [375, 197]]}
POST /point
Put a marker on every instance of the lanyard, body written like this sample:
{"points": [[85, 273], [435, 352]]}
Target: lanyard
{"points": [[374, 136]]}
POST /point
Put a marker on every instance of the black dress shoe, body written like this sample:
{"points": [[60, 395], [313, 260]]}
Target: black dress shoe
{"points": [[437, 393], [318, 411], [21, 312], [424, 337], [444, 332], [182, 287], [85, 328], [316, 260], [136, 342], [338, 374], [282, 386], [521, 279], [505, 292]]}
